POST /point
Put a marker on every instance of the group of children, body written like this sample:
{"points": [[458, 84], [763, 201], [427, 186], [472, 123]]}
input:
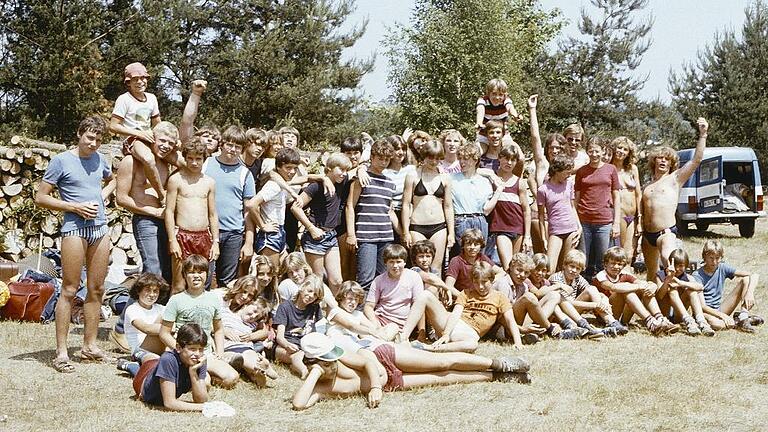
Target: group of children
{"points": [[413, 250]]}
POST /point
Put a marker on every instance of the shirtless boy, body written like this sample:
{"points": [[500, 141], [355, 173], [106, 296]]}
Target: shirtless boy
{"points": [[191, 229], [657, 216], [135, 194]]}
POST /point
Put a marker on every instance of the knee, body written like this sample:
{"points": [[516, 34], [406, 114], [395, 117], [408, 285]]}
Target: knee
{"points": [[528, 299], [230, 378]]}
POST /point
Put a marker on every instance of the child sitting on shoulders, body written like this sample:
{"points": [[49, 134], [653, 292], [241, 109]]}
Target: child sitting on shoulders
{"points": [[422, 253], [295, 319], [525, 302], [582, 295], [678, 290], [625, 289], [495, 104], [162, 381], [142, 321], [731, 310]]}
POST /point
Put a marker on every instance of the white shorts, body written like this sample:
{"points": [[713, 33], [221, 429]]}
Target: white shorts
{"points": [[464, 332]]}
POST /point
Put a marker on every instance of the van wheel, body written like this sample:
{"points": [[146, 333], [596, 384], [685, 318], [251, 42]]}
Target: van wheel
{"points": [[702, 226], [747, 228]]}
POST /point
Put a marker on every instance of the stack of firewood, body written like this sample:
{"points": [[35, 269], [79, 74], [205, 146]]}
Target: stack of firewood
{"points": [[23, 162]]}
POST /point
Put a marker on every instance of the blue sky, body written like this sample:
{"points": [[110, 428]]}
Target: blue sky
{"points": [[681, 27]]}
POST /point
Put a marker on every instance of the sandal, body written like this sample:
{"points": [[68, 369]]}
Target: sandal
{"points": [[63, 365], [96, 357]]}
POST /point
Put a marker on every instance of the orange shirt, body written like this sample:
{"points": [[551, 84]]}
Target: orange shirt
{"points": [[481, 313]]}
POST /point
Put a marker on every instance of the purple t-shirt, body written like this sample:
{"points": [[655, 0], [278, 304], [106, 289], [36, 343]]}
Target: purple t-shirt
{"points": [[393, 297], [556, 199], [169, 368]]}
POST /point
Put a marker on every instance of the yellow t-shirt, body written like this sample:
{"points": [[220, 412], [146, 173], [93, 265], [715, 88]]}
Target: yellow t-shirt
{"points": [[481, 313]]}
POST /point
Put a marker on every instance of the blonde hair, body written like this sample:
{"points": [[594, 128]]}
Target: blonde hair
{"points": [[574, 129], [295, 261], [663, 151], [482, 271], [470, 150], [242, 285], [166, 129], [713, 247], [575, 257], [338, 160], [451, 132], [496, 85], [521, 260], [316, 283], [631, 150]]}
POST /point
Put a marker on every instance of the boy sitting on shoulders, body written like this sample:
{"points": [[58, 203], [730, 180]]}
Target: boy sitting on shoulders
{"points": [[731, 310], [190, 213]]}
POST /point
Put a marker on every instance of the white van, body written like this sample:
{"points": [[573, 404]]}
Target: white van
{"points": [[726, 188]]}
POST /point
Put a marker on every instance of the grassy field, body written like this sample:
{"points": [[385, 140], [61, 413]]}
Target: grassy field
{"points": [[636, 382]]}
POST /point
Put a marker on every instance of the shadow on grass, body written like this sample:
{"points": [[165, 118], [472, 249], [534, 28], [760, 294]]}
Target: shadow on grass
{"points": [[103, 333], [709, 235]]}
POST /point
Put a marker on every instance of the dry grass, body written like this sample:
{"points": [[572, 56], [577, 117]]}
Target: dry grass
{"points": [[636, 382]]}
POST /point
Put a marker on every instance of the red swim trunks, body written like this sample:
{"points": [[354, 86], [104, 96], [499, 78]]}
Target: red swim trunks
{"points": [[138, 381], [194, 242], [385, 353]]}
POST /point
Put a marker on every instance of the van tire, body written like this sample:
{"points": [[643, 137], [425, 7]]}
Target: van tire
{"points": [[702, 226], [747, 228]]}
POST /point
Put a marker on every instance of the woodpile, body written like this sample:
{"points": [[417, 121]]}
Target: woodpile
{"points": [[26, 227]]}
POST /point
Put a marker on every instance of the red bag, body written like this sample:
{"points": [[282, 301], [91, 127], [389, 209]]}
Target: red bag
{"points": [[28, 298]]}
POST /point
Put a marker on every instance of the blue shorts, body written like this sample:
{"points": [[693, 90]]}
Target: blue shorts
{"points": [[510, 235], [91, 234], [319, 247], [272, 240]]}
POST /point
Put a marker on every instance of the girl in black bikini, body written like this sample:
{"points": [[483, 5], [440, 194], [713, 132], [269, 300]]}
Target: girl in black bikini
{"points": [[428, 204]]}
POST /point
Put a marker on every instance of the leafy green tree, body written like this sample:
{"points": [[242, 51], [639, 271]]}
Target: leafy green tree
{"points": [[440, 64], [588, 79], [727, 85]]}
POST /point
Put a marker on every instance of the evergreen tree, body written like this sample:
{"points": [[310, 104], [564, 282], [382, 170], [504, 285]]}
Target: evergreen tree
{"points": [[727, 85]]}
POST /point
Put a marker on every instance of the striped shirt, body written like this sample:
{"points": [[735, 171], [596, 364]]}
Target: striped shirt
{"points": [[372, 223], [494, 112]]}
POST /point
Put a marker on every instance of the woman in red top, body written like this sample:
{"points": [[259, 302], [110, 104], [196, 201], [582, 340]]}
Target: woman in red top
{"points": [[511, 218], [598, 205]]}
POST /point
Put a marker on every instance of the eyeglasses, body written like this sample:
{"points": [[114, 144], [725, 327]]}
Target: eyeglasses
{"points": [[573, 140]]}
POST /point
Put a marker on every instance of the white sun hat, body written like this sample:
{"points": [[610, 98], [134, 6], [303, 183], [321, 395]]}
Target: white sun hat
{"points": [[319, 346]]}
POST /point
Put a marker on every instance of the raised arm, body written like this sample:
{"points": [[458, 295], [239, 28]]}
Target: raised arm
{"points": [[187, 125], [539, 158], [686, 171]]}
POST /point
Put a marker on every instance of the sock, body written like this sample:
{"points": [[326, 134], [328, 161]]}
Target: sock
{"points": [[566, 323], [743, 315], [583, 323], [649, 320]]}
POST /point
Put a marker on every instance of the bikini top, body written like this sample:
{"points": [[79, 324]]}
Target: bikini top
{"points": [[421, 190]]}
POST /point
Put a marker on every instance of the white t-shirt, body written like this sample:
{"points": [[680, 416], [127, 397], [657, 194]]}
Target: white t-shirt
{"points": [[273, 207], [136, 114], [135, 311], [287, 290]]}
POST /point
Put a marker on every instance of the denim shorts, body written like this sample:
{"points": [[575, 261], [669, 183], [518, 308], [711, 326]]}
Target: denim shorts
{"points": [[319, 247], [272, 240]]}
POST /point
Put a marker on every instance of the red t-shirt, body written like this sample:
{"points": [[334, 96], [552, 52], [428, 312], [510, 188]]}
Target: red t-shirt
{"points": [[461, 270], [595, 186], [603, 277]]}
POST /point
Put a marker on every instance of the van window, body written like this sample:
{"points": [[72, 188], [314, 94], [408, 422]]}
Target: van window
{"points": [[709, 171]]}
